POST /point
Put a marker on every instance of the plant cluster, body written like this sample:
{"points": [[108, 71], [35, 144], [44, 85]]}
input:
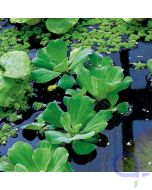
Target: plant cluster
{"points": [[108, 35], [15, 72], [54, 25], [46, 158], [70, 64], [20, 38], [138, 66], [5, 132], [87, 79]]}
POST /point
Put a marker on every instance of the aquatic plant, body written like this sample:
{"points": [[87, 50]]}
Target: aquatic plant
{"points": [[54, 25], [80, 125], [15, 66], [104, 82], [15, 72], [52, 61], [5, 132], [29, 21], [46, 158], [19, 39], [106, 35], [60, 25]]}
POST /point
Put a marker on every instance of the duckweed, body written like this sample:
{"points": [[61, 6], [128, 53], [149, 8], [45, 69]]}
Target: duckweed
{"points": [[108, 35], [5, 132]]}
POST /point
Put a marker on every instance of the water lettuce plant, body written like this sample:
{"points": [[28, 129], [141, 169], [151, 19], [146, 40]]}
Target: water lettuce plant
{"points": [[14, 68], [79, 125], [104, 82], [46, 158], [52, 62]]}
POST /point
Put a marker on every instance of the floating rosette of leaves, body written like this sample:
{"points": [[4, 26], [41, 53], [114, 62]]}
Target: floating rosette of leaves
{"points": [[80, 125], [103, 82], [29, 21], [60, 25], [46, 158], [52, 62], [14, 68]]}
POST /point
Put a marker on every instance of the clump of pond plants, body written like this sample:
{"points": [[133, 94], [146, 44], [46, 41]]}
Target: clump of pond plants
{"points": [[7, 131], [86, 79], [46, 158], [108, 34], [15, 73], [54, 25]]}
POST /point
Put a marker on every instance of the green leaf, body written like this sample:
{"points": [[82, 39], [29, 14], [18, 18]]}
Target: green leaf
{"points": [[41, 158], [56, 137], [42, 59], [44, 75], [20, 168], [21, 153], [78, 56], [149, 65], [66, 121], [123, 107], [16, 64], [52, 60], [101, 82], [33, 126], [68, 167], [66, 81], [29, 21], [59, 160], [6, 166], [62, 67], [57, 50], [52, 114], [113, 98], [100, 61], [60, 25], [98, 123], [48, 145], [79, 108], [83, 136], [81, 147]]}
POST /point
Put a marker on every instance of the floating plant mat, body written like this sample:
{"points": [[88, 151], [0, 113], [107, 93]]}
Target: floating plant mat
{"points": [[120, 139]]}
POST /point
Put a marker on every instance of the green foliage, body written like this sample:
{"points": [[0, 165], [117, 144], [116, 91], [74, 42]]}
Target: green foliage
{"points": [[46, 158], [15, 66], [102, 82], [52, 62], [54, 25], [130, 20], [38, 106], [20, 38], [60, 25], [149, 65], [138, 66], [29, 21], [108, 34], [78, 125], [5, 132], [15, 71]]}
